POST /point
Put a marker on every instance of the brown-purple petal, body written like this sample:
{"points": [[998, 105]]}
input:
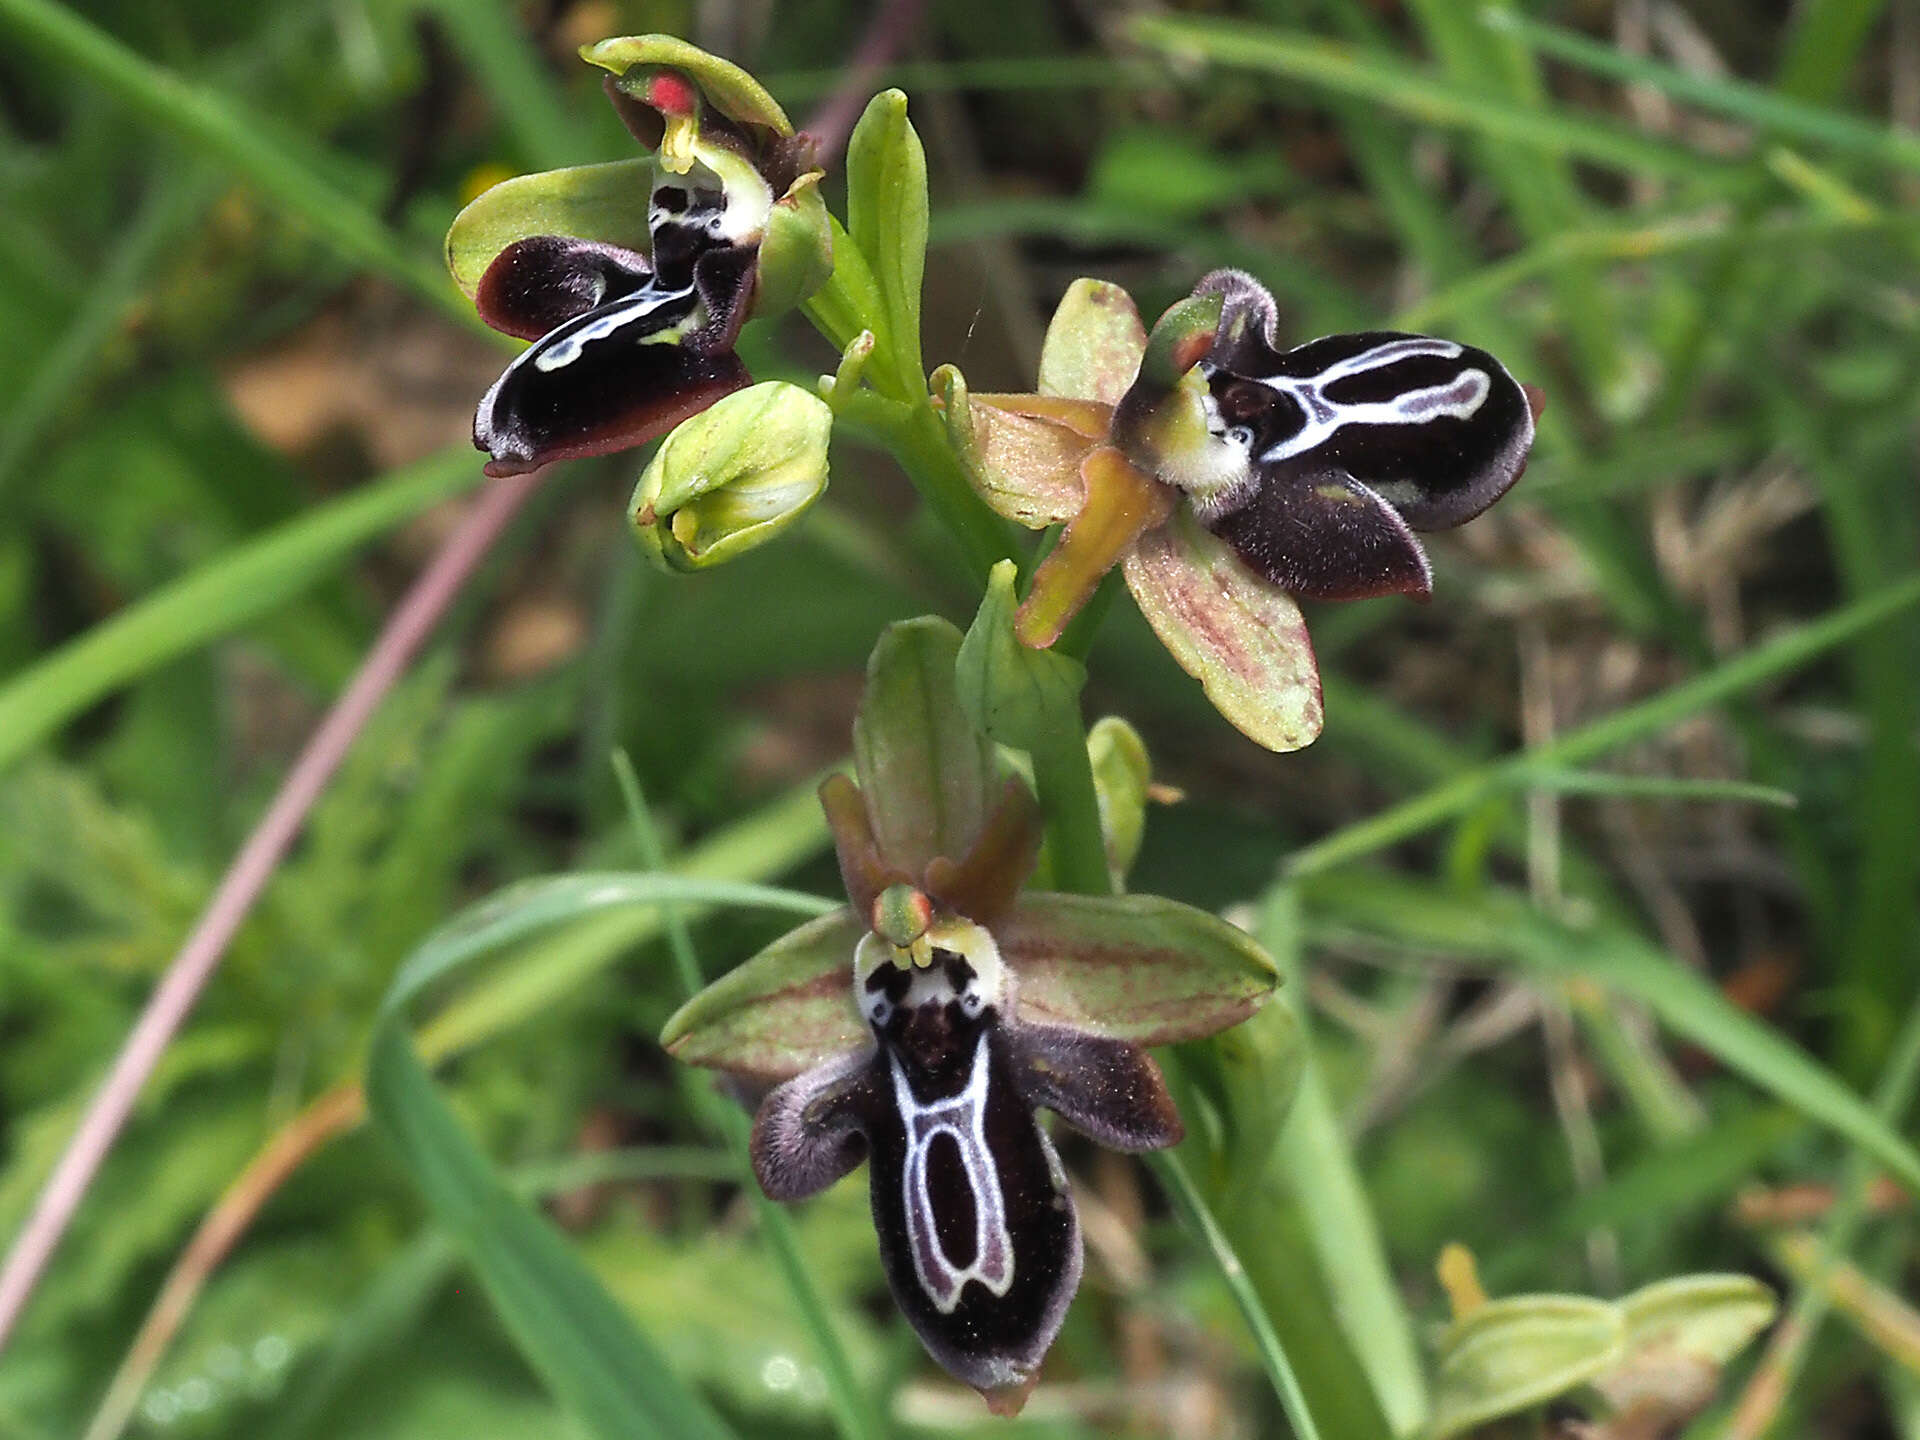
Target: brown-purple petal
{"points": [[536, 285], [1317, 533]]}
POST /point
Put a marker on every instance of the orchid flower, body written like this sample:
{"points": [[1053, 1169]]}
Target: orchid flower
{"points": [[922, 1027], [632, 279], [1226, 476]]}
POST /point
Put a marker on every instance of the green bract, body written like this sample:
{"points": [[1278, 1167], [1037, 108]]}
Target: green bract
{"points": [[1655, 1356], [733, 477]]}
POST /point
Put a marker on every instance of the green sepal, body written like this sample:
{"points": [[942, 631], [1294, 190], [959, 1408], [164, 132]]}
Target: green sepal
{"points": [[1026, 467], [1680, 1333], [1094, 343], [796, 254], [1186, 327], [1513, 1354], [732, 477], [1122, 771], [607, 203], [726, 87], [926, 773], [1012, 694], [887, 218], [784, 1011], [1134, 967]]}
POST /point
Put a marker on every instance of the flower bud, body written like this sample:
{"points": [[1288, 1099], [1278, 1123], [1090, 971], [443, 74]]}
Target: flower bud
{"points": [[733, 476]]}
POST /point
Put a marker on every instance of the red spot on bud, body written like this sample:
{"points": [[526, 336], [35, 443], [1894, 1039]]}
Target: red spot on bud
{"points": [[672, 94]]}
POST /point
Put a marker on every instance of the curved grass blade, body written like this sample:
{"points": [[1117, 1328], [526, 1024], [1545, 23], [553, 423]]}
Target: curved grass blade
{"points": [[1756, 666], [1509, 928], [591, 1354], [217, 598]]}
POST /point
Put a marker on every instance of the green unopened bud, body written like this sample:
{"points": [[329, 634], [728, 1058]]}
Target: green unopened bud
{"points": [[733, 476]]}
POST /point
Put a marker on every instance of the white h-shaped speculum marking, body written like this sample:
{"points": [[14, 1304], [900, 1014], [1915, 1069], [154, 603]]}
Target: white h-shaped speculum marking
{"points": [[565, 350], [1458, 398], [964, 1118]]}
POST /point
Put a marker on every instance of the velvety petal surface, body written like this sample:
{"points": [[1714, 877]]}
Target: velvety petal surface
{"points": [[785, 1011], [1317, 533], [1239, 636], [1137, 968], [605, 204], [621, 373], [537, 285], [812, 1130], [1108, 1090]]}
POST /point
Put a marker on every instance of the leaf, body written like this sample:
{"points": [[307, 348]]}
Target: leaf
{"points": [[1510, 1355], [1134, 967], [591, 1354], [887, 218], [606, 203], [1094, 343], [784, 1011], [217, 598], [1240, 637], [1507, 927], [926, 773], [1011, 693]]}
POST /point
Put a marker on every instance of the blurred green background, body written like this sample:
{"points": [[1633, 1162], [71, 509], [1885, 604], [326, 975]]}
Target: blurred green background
{"points": [[237, 390]]}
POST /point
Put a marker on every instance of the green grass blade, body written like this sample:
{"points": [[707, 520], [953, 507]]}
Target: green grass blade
{"points": [[1738, 99], [1192, 1209], [1419, 94], [1318, 1162], [221, 127], [174, 206], [1650, 787], [1508, 928], [594, 1358], [1460, 794], [217, 599]]}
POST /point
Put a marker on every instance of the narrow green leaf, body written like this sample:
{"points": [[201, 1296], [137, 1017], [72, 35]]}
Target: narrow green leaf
{"points": [[1650, 787], [217, 599], [1419, 94], [887, 218], [1738, 99], [220, 126], [592, 1355], [1507, 927], [1753, 667]]}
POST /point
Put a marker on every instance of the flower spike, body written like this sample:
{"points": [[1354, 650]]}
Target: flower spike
{"points": [[963, 1008]]}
